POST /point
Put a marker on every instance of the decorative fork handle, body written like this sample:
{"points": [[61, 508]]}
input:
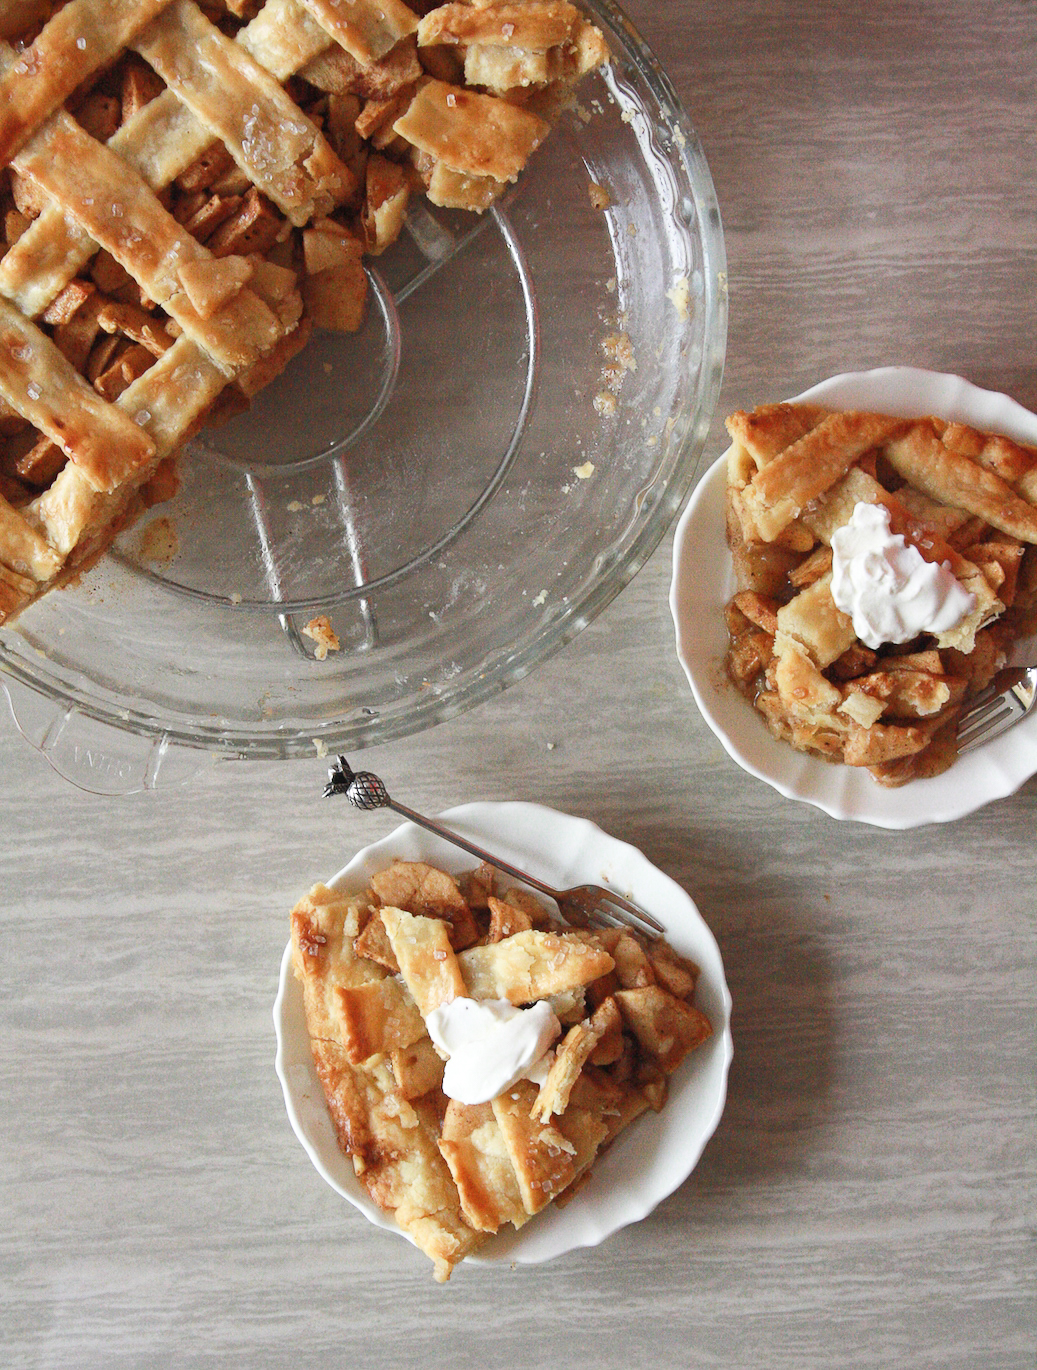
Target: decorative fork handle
{"points": [[366, 791]]}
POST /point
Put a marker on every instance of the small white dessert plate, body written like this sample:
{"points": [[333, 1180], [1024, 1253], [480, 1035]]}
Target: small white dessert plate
{"points": [[703, 582], [656, 1153]]}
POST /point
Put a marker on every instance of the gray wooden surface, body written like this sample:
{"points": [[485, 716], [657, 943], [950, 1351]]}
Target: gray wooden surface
{"points": [[868, 1199]]}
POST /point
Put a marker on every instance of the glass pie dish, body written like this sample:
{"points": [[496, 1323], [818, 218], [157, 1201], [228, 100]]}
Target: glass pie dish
{"points": [[460, 487]]}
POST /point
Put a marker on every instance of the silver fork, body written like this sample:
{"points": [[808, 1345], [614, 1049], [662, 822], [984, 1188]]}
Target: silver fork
{"points": [[591, 906], [1010, 696]]}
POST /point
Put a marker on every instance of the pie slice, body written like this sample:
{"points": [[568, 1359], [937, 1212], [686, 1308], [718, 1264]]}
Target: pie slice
{"points": [[187, 189], [453, 1172], [958, 505]]}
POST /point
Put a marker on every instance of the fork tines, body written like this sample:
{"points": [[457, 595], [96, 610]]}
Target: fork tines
{"points": [[608, 910], [624, 914], [994, 709], [616, 918]]}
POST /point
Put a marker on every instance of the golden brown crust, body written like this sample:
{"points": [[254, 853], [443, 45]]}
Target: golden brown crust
{"points": [[185, 199], [365, 28], [531, 965], [453, 1173], [425, 957], [962, 498], [421, 889], [801, 472], [473, 1146], [81, 38], [770, 428], [280, 150], [948, 476], [470, 133], [571, 1056]]}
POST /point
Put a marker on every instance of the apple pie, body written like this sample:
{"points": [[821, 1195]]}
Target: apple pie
{"points": [[187, 189], [476, 1055], [885, 568]]}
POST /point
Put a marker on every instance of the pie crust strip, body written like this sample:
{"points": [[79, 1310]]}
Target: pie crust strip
{"points": [[767, 430], [472, 1145], [173, 394], [45, 388], [160, 141], [166, 401], [367, 29], [283, 37], [15, 592], [478, 135], [280, 150], [25, 551], [532, 965], [81, 38], [42, 262], [426, 960], [533, 25], [951, 478], [783, 488], [113, 203]]}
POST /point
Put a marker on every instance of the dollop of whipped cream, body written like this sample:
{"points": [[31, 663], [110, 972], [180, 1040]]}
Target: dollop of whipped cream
{"points": [[489, 1044], [887, 587]]}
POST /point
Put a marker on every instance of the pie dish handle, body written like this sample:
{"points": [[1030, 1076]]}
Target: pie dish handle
{"points": [[95, 756]]}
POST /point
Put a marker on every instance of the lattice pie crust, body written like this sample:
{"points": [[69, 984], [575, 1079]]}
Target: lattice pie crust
{"points": [[372, 966], [188, 188], [964, 498]]}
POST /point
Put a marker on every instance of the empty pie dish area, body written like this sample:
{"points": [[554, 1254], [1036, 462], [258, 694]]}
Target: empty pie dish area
{"points": [[914, 689], [648, 1159]]}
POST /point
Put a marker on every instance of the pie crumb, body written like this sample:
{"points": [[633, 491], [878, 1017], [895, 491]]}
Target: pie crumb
{"points": [[679, 296], [322, 633], [157, 542]]}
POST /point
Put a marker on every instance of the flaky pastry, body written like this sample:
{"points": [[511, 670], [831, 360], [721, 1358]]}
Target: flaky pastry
{"points": [[187, 189], [966, 501], [375, 974]]}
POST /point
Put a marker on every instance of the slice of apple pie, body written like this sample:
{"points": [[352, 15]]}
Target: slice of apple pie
{"points": [[186, 189], [886, 566], [475, 1056]]}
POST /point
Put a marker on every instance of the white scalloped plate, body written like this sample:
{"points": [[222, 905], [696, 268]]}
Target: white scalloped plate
{"points": [[656, 1153], [703, 582]]}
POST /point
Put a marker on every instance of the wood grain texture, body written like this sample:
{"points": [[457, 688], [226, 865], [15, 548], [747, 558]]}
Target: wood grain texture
{"points": [[868, 1198]]}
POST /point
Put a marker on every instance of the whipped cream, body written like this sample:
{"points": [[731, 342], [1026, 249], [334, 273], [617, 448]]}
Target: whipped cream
{"points": [[489, 1044], [887, 587]]}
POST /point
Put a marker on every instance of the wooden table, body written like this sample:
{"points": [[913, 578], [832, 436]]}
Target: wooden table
{"points": [[868, 1198]]}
